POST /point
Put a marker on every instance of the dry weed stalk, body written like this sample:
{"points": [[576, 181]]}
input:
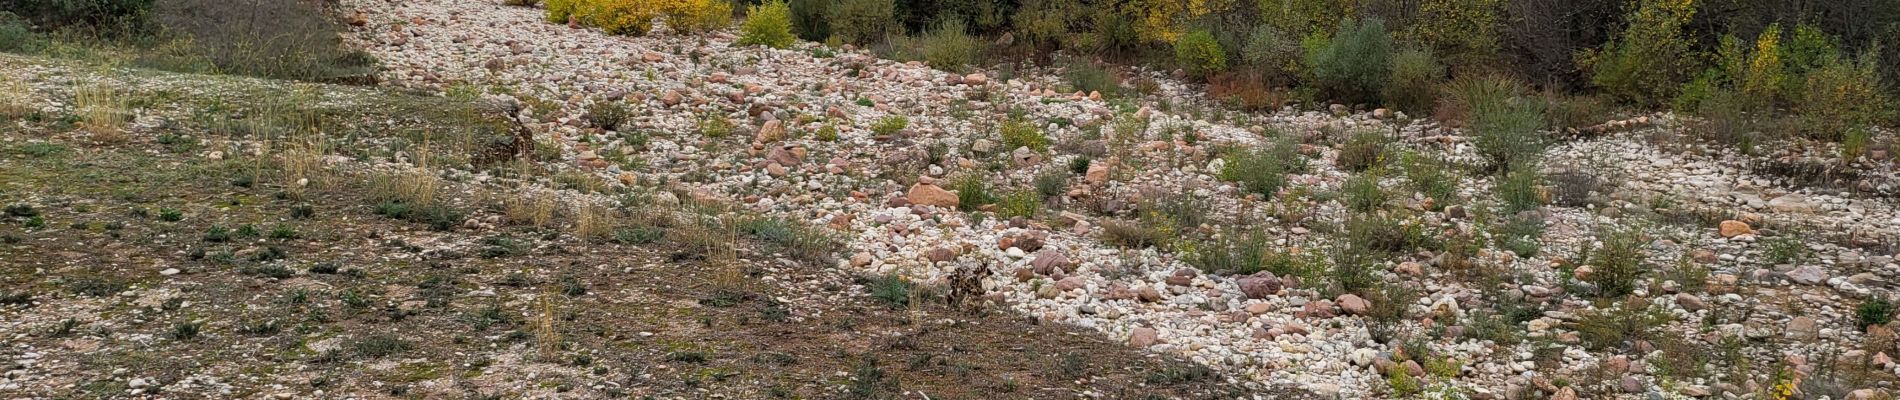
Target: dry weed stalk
{"points": [[593, 220]]}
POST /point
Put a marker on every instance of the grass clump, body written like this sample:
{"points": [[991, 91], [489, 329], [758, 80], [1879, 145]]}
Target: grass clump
{"points": [[1874, 311], [893, 290], [973, 192], [949, 46], [802, 243], [1363, 194], [1621, 325]]}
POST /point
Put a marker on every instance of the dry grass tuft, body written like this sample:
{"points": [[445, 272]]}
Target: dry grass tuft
{"points": [[102, 112], [533, 208], [594, 221]]}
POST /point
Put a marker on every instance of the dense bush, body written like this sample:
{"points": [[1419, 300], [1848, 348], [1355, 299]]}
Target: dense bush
{"points": [[808, 19], [693, 16], [768, 24], [1200, 54], [862, 21], [1840, 94], [1414, 83], [1263, 170], [561, 11], [1464, 32], [1649, 59], [949, 46], [1355, 63], [14, 34], [1272, 53], [619, 17], [1508, 132], [106, 19]]}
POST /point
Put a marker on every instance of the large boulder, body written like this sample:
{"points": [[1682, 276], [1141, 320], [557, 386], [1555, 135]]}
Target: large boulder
{"points": [[1260, 285]]}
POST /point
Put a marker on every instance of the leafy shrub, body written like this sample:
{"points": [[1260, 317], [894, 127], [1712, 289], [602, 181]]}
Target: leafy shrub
{"points": [[1363, 150], [1764, 73], [972, 192], [1273, 53], [862, 21], [1355, 64], [1431, 177], [1200, 54], [1874, 311], [607, 114], [1415, 76], [1022, 133], [1263, 170], [106, 19], [949, 47], [1842, 93], [1616, 261], [1021, 203], [619, 17], [561, 11], [693, 16], [1363, 193], [15, 35], [1649, 59], [889, 125], [1464, 31], [808, 19], [768, 24]]}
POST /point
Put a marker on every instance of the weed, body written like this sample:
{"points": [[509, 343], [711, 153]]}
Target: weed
{"points": [[1019, 133], [1874, 311], [1263, 170], [889, 125], [1363, 193], [379, 346], [1616, 261], [1363, 150], [893, 290]]}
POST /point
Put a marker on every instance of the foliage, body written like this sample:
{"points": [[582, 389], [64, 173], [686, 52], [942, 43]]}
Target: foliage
{"points": [[1363, 193], [1520, 189], [561, 11], [695, 16], [1621, 326], [1274, 53], [1616, 261], [889, 125], [1874, 311], [15, 35], [1263, 170], [1366, 148], [1651, 57], [769, 24], [1022, 133], [1763, 76], [1355, 64], [1200, 54], [862, 21], [949, 46], [972, 192], [808, 19], [1164, 21], [1414, 82], [619, 17], [1843, 93], [1464, 31]]}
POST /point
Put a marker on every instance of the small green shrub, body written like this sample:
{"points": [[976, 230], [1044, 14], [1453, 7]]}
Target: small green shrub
{"points": [[1509, 132], [1273, 53], [15, 35], [972, 192], [1616, 262], [894, 290], [696, 16], [607, 114], [890, 125], [1086, 76], [1022, 133], [1431, 177], [862, 21], [1363, 150], [1843, 93], [1355, 63], [809, 19], [1651, 58], [1263, 170], [1363, 194], [1200, 54], [768, 24], [1415, 76], [949, 46], [1621, 326], [1021, 203], [1874, 311], [715, 125]]}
